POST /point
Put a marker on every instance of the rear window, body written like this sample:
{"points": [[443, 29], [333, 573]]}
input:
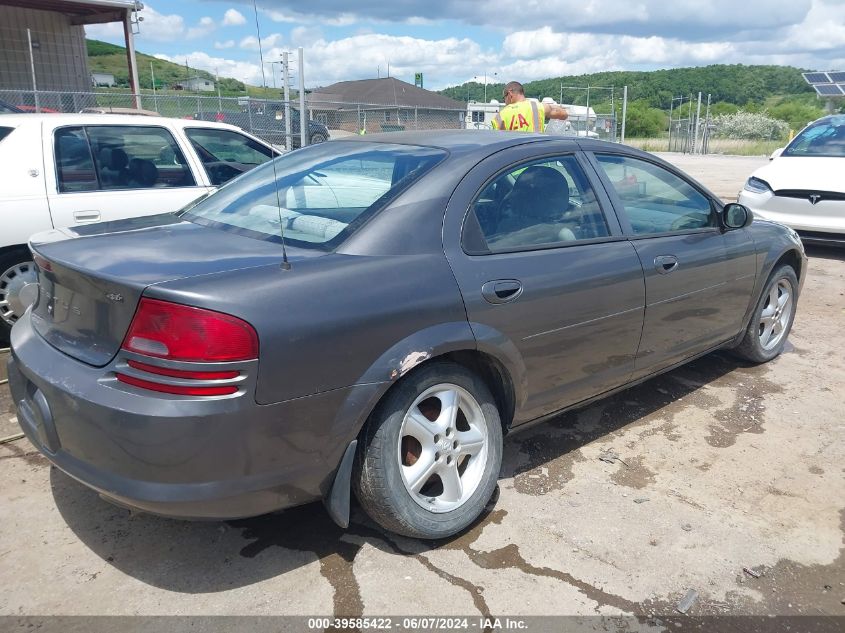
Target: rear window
{"points": [[318, 195], [5, 131]]}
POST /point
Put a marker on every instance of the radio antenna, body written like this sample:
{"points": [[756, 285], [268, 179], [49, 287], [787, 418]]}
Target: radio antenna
{"points": [[285, 262]]}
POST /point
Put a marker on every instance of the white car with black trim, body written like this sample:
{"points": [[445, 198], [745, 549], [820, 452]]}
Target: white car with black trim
{"points": [[803, 186], [60, 170]]}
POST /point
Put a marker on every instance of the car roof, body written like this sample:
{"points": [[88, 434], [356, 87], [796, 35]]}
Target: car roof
{"points": [[467, 141], [60, 119], [455, 141]]}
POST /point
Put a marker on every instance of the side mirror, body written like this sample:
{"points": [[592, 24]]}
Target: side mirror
{"points": [[736, 216], [776, 153]]}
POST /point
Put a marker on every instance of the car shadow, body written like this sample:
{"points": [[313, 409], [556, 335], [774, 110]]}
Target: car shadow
{"points": [[207, 557], [815, 251]]}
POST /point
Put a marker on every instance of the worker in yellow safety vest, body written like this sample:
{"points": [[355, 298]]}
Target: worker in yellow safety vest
{"points": [[525, 115]]}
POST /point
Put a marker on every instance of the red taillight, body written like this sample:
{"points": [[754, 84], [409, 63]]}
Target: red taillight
{"points": [[177, 389], [43, 264], [181, 373], [179, 332]]}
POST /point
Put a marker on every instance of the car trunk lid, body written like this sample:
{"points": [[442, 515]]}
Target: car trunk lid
{"points": [[91, 278]]}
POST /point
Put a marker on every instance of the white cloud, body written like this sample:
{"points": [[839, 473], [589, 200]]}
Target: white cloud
{"points": [[335, 18], [305, 35], [222, 45], [365, 56], [111, 31], [250, 42], [155, 27], [233, 17], [243, 71], [682, 19], [205, 26]]}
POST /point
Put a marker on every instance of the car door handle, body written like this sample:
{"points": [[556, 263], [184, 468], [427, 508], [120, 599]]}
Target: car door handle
{"points": [[665, 263], [88, 215], [501, 290]]}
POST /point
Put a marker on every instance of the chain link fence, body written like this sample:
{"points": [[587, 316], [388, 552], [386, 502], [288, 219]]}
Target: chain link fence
{"points": [[264, 118], [689, 133], [592, 112]]}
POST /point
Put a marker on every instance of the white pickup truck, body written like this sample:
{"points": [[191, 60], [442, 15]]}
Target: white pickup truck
{"points": [[60, 170]]}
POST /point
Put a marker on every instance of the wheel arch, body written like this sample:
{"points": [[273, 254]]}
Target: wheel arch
{"points": [[791, 256], [11, 248]]}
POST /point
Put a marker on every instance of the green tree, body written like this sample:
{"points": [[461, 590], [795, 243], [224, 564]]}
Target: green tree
{"points": [[645, 121]]}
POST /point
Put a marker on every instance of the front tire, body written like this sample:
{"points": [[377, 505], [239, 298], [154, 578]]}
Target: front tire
{"points": [[429, 457], [18, 289], [772, 319], [318, 138]]}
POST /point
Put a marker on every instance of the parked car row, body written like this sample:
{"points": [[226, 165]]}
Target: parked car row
{"points": [[372, 314], [75, 169], [269, 124]]}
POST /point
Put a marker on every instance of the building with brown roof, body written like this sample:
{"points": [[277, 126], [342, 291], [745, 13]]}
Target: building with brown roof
{"points": [[384, 105]]}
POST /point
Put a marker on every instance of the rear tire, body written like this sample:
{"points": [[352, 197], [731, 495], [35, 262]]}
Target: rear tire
{"points": [[772, 319], [318, 138], [429, 456]]}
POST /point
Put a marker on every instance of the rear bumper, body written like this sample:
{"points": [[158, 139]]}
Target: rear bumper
{"points": [[193, 458]]}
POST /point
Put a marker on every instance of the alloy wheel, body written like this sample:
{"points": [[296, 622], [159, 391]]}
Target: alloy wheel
{"points": [[443, 447], [776, 314]]}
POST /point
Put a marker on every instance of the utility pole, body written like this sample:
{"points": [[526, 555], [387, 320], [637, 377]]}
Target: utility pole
{"points": [[32, 67], [625, 110], [153, 81], [286, 84], [303, 121], [219, 99]]}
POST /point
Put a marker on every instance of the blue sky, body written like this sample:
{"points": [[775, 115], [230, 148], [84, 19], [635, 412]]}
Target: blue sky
{"points": [[453, 41]]}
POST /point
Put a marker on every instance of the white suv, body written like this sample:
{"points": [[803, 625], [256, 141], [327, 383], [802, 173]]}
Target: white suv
{"points": [[60, 170]]}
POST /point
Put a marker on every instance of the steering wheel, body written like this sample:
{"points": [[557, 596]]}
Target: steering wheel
{"points": [[688, 221]]}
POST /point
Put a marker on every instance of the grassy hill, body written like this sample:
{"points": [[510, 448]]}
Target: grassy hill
{"points": [[109, 58], [737, 84], [779, 90]]}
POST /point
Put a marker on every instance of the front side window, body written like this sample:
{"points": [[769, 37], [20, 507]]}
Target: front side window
{"points": [[539, 204], [823, 138], [137, 157], [655, 199], [226, 154], [318, 195]]}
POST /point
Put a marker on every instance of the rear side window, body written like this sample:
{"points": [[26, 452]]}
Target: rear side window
{"points": [[5, 131], [318, 195], [226, 154], [136, 157], [74, 165], [540, 204]]}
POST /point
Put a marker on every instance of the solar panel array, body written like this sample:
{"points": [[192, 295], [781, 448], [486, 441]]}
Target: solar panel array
{"points": [[816, 78], [827, 84], [829, 90]]}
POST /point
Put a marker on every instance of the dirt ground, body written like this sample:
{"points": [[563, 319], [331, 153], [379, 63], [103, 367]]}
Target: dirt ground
{"points": [[678, 484]]}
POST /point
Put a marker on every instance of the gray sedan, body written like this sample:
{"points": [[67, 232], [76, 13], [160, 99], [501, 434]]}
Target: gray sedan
{"points": [[374, 314]]}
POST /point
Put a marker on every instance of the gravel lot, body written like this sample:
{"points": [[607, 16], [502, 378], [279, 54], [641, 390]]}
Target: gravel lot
{"points": [[719, 466]]}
